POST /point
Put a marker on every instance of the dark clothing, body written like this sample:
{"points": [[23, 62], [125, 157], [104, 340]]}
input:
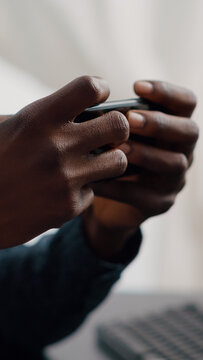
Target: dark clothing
{"points": [[48, 289]]}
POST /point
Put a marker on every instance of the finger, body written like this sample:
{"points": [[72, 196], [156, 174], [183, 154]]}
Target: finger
{"points": [[70, 101], [108, 165], [162, 184], [148, 201], [176, 100], [110, 128], [165, 128], [190, 159], [156, 160]]}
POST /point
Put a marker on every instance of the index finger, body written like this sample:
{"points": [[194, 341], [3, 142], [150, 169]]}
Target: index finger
{"points": [[177, 100], [107, 129], [68, 102]]}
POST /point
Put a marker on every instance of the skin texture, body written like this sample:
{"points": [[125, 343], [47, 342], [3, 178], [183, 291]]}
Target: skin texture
{"points": [[124, 204], [46, 160]]}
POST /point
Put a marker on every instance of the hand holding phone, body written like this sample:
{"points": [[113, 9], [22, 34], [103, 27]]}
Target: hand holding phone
{"points": [[163, 166], [122, 106]]}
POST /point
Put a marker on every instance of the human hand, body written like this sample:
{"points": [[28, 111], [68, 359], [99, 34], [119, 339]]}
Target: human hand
{"points": [[162, 163], [46, 160]]}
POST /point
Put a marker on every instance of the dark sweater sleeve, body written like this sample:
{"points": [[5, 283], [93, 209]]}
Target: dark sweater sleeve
{"points": [[48, 289]]}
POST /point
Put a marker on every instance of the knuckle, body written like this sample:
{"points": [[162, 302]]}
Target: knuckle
{"points": [[121, 161], [120, 125], [190, 159], [177, 184], [181, 184], [166, 204], [194, 132], [91, 87], [192, 99], [181, 165]]}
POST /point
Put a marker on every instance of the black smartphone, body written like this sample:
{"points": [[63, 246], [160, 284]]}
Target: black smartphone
{"points": [[120, 105]]}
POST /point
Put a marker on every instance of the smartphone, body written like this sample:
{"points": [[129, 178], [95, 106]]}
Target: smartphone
{"points": [[120, 105]]}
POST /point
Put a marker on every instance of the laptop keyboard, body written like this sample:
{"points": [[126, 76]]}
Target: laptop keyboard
{"points": [[175, 334]]}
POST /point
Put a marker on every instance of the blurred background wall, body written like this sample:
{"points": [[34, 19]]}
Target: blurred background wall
{"points": [[46, 43]]}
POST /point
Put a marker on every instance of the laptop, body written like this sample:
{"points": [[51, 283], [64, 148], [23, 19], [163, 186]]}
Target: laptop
{"points": [[175, 334]]}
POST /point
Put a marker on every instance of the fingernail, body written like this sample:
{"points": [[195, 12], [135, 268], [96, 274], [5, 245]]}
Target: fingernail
{"points": [[125, 147], [144, 87], [135, 119]]}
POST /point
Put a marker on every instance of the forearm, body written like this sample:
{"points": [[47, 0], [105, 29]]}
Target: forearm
{"points": [[48, 289]]}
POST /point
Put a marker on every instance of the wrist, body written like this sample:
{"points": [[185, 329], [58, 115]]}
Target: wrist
{"points": [[106, 242]]}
